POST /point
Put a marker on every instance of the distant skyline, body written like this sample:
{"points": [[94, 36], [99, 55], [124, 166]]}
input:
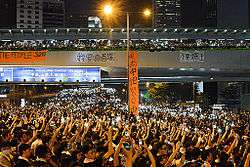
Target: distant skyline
{"points": [[187, 13]]}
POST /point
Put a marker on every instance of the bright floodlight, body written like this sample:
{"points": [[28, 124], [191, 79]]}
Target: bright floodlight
{"points": [[108, 9], [147, 12]]}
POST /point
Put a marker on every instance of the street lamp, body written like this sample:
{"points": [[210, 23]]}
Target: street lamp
{"points": [[147, 12], [108, 10]]}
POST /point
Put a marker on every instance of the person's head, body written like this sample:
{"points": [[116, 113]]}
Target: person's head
{"points": [[6, 135], [41, 151], [206, 155], [91, 153], [25, 150], [161, 149], [8, 146], [57, 149], [77, 155], [66, 160], [24, 137], [223, 157]]}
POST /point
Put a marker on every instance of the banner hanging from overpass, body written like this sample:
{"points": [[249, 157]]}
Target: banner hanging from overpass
{"points": [[133, 83], [22, 56], [193, 60]]}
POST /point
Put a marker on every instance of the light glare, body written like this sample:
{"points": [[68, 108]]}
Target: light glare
{"points": [[147, 12], [108, 9]]}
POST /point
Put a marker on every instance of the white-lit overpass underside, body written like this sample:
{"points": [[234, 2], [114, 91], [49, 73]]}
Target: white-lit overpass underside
{"points": [[120, 33]]}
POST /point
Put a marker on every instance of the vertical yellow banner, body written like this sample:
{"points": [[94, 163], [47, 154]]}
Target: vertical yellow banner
{"points": [[133, 83]]}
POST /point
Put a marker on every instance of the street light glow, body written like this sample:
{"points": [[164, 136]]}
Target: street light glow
{"points": [[147, 12], [108, 9]]}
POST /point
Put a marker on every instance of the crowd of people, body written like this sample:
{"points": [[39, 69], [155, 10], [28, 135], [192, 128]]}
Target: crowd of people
{"points": [[91, 127], [148, 45]]}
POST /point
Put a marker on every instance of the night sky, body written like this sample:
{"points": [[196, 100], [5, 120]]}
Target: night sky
{"points": [[134, 5], [84, 6]]}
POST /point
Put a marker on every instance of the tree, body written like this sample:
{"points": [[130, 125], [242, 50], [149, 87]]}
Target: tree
{"points": [[170, 92]]}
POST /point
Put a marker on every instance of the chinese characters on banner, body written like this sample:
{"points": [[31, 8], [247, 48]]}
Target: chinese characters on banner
{"points": [[133, 83], [22, 56], [190, 57]]}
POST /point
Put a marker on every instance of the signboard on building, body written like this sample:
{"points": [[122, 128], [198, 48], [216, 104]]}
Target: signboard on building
{"points": [[39, 74]]}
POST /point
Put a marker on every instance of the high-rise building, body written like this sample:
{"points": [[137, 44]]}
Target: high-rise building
{"points": [[75, 15], [232, 14], [167, 13], [76, 20], [210, 13], [249, 13], [202, 13], [192, 13], [53, 13], [7, 13], [29, 13], [210, 93], [198, 13]]}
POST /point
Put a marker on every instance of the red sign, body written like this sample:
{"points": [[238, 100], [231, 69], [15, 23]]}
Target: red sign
{"points": [[133, 83], [22, 56]]}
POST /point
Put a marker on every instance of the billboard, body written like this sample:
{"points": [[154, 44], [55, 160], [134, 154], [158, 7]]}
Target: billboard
{"points": [[39, 74]]}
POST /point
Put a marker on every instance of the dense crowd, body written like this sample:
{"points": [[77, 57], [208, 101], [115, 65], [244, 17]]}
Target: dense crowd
{"points": [[92, 127], [151, 45]]}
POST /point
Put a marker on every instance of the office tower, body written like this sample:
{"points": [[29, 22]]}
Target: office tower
{"points": [[167, 13], [29, 13], [8, 13], [76, 16], [198, 13], [53, 13], [232, 14]]}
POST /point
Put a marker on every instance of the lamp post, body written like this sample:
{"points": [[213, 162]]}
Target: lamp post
{"points": [[128, 39], [108, 10]]}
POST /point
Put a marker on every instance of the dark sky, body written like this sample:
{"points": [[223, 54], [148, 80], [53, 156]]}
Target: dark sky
{"points": [[127, 5], [91, 4]]}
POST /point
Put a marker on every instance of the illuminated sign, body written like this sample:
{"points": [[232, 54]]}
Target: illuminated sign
{"points": [[38, 74], [22, 56]]}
